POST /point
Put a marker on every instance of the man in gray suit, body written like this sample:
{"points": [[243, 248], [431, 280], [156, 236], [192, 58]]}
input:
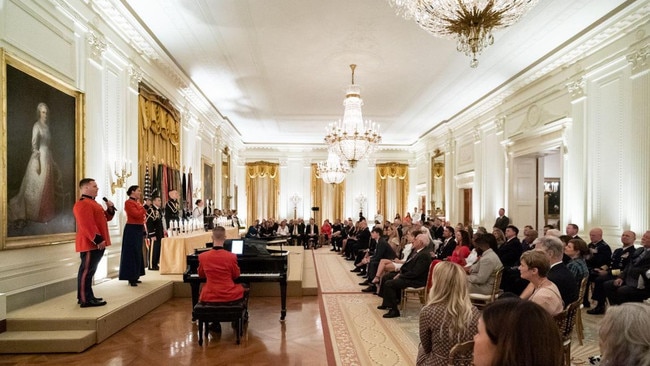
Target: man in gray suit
{"points": [[481, 279]]}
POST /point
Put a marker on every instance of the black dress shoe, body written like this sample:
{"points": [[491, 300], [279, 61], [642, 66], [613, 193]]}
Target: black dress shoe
{"points": [[92, 303], [364, 283], [362, 273], [393, 313], [215, 327], [356, 269], [369, 289], [382, 307], [133, 283], [598, 310], [94, 298], [138, 281]]}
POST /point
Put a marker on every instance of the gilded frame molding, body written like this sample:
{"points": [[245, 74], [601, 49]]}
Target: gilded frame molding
{"points": [[61, 228], [208, 185]]}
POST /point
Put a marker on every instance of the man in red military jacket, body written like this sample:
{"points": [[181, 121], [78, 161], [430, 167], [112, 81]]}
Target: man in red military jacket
{"points": [[220, 268], [91, 240]]}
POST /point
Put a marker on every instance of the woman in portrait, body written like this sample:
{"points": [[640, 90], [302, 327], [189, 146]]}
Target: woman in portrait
{"points": [[448, 318], [35, 200], [512, 332], [131, 259]]}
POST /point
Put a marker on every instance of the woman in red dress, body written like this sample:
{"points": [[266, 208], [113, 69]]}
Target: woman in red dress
{"points": [[461, 252]]}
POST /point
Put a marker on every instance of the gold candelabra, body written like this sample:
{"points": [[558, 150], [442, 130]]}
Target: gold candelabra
{"points": [[122, 171]]}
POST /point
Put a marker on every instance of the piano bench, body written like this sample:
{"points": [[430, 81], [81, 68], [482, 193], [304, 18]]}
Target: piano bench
{"points": [[234, 311]]}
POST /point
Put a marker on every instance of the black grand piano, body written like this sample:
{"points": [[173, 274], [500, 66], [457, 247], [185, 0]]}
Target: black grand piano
{"points": [[265, 265]]}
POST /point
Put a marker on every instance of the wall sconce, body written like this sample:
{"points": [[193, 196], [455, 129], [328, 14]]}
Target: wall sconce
{"points": [[295, 199], [122, 170], [361, 200]]}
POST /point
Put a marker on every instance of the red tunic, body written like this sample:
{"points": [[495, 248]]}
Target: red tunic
{"points": [[135, 212], [221, 269], [92, 222]]}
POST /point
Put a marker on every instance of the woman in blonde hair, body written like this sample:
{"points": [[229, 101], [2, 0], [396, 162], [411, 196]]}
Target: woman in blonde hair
{"points": [[624, 335], [448, 318]]}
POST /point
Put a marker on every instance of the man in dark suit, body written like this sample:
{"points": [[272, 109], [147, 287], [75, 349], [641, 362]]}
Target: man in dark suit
{"points": [[502, 221], [572, 231], [558, 274], [362, 243], [448, 244], [631, 285], [382, 251], [509, 254], [413, 273], [311, 235], [437, 229], [297, 230]]}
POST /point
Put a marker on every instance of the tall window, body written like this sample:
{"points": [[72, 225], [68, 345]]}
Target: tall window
{"points": [[262, 190], [392, 182]]}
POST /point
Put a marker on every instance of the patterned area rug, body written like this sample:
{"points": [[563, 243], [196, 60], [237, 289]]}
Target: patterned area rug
{"points": [[358, 333], [360, 336]]}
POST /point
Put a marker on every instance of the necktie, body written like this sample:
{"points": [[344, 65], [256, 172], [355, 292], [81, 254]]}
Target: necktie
{"points": [[411, 255]]}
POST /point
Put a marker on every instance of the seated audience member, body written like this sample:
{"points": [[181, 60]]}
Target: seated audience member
{"points": [[512, 332], [382, 251], [627, 287], [600, 255], [473, 255], [462, 249], [547, 228], [266, 230], [448, 244], [572, 231], [558, 274], [326, 230], [297, 230], [534, 268], [253, 230], [510, 251], [337, 236], [529, 239], [448, 318], [362, 244], [220, 269], [311, 234], [624, 335], [393, 238], [283, 229], [387, 265], [598, 276], [576, 249], [500, 236], [481, 274], [413, 273]]}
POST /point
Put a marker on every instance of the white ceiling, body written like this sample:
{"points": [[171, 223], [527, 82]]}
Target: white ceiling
{"points": [[278, 69]]}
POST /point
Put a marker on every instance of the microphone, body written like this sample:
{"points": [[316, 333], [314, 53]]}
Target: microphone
{"points": [[112, 207]]}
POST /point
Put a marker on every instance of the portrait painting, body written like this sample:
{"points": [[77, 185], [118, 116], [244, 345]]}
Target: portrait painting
{"points": [[42, 149], [208, 180]]}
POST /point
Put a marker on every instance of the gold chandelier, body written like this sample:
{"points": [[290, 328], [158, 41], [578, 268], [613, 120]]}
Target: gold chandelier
{"points": [[469, 22], [352, 138]]}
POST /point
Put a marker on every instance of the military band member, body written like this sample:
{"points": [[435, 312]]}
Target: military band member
{"points": [[173, 208], [155, 231]]}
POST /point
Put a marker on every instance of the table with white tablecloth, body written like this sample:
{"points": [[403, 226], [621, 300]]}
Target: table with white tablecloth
{"points": [[174, 250]]}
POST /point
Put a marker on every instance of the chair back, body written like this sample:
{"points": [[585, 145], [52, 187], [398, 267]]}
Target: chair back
{"points": [[566, 320], [498, 275], [462, 353], [583, 287], [429, 279]]}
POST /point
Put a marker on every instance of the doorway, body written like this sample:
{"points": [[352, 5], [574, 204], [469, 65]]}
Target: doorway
{"points": [[467, 206]]}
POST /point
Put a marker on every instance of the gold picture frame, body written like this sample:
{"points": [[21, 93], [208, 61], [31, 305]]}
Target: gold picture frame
{"points": [[208, 179], [42, 141]]}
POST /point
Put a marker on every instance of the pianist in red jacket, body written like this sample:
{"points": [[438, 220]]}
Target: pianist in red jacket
{"points": [[220, 268]]}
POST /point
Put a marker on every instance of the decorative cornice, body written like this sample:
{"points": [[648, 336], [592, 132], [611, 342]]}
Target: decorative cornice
{"points": [[577, 87], [135, 76], [476, 132], [638, 58], [500, 123], [97, 46]]}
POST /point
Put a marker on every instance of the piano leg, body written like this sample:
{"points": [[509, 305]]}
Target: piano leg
{"points": [[195, 285], [283, 294]]}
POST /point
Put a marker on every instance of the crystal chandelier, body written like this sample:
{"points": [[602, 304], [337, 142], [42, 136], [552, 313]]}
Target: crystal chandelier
{"points": [[351, 138], [469, 22], [333, 170]]}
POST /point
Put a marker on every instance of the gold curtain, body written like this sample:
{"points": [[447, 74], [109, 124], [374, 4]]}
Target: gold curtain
{"points": [[399, 174], [329, 197], [158, 133], [262, 190]]}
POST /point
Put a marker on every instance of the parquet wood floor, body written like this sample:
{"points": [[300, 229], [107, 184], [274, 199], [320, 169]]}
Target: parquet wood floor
{"points": [[166, 336]]}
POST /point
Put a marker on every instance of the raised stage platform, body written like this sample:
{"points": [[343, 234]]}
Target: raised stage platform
{"points": [[60, 325]]}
